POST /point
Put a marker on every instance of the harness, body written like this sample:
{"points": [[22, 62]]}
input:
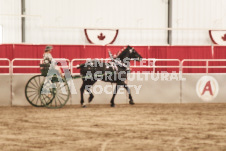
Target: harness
{"points": [[114, 62], [113, 66]]}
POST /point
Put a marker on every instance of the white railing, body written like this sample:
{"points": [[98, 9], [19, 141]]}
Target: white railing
{"points": [[85, 60], [180, 65], [206, 61], [5, 66], [149, 60], [155, 61], [24, 59], [34, 59]]}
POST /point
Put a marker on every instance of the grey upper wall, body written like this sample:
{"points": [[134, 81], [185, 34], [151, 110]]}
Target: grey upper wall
{"points": [[63, 21]]}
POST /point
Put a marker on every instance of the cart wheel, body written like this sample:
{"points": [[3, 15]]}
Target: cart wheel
{"points": [[33, 92], [60, 95]]}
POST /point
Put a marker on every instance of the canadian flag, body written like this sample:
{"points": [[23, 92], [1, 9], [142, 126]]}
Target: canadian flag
{"points": [[218, 36], [101, 36]]}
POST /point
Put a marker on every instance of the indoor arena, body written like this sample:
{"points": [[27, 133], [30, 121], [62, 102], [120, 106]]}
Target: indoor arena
{"points": [[104, 75]]}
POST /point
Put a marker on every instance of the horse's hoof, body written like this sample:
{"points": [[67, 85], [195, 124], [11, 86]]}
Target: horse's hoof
{"points": [[131, 103], [112, 105], [91, 98], [83, 106]]}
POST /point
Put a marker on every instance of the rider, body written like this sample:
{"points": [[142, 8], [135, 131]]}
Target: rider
{"points": [[48, 59]]}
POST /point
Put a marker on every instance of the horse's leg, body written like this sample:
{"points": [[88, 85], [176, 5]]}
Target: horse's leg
{"points": [[130, 96], [91, 96], [113, 97], [82, 92]]}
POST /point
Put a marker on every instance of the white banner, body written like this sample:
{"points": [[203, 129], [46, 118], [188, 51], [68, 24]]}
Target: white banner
{"points": [[1, 34], [218, 36], [101, 36]]}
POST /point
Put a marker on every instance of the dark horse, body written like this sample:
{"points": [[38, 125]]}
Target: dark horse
{"points": [[114, 71]]}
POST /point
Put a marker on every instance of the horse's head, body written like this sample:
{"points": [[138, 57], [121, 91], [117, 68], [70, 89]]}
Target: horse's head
{"points": [[129, 53], [133, 54]]}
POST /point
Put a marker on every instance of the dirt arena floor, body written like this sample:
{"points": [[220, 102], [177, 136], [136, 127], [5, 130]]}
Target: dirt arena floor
{"points": [[149, 127]]}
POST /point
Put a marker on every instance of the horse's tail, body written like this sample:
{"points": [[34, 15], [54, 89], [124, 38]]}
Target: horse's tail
{"points": [[80, 66]]}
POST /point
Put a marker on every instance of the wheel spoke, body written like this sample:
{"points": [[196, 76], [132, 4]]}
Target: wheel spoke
{"points": [[63, 86], [36, 82], [59, 101], [32, 91], [60, 97], [33, 84], [34, 98], [51, 103], [43, 80], [43, 98], [40, 84], [56, 102], [63, 94], [39, 98], [32, 95], [47, 99], [32, 88]]}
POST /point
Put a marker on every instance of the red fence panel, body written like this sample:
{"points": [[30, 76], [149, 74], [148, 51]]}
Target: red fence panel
{"points": [[6, 51], [70, 52]]}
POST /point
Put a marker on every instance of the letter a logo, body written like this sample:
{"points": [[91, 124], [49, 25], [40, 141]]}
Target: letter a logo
{"points": [[207, 88]]}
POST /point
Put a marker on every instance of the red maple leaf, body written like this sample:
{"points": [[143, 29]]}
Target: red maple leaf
{"points": [[101, 36], [224, 37]]}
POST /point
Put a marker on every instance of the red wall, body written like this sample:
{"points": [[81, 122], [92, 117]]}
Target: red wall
{"points": [[12, 51]]}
